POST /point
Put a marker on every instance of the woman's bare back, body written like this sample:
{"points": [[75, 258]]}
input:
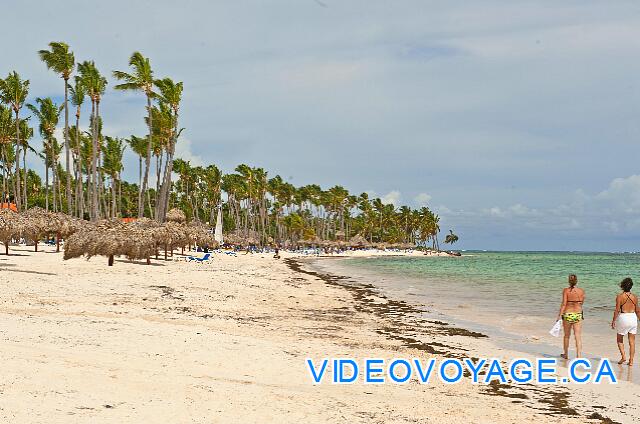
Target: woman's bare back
{"points": [[574, 299], [628, 302]]}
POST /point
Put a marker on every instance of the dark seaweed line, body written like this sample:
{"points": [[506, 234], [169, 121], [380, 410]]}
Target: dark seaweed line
{"points": [[550, 402]]}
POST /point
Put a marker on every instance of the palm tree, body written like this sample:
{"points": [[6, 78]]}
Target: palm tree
{"points": [[7, 134], [26, 133], [61, 61], [171, 95], [13, 92], [95, 84], [48, 114], [450, 238], [112, 165], [141, 80], [78, 94], [138, 146]]}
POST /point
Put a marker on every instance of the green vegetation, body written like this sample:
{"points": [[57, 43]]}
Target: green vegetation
{"points": [[90, 185]]}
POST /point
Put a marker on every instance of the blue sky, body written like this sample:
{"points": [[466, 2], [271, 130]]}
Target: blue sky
{"points": [[516, 121]]}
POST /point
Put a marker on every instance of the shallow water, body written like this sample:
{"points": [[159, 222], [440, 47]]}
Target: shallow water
{"points": [[512, 293]]}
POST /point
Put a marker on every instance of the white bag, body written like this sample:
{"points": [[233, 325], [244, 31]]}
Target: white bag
{"points": [[555, 330]]}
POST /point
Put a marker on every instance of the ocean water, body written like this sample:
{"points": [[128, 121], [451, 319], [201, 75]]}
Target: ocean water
{"points": [[514, 293]]}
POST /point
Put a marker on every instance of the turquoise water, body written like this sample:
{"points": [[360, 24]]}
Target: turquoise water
{"points": [[516, 292], [517, 280]]}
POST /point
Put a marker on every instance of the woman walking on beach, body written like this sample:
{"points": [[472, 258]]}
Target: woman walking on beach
{"points": [[572, 316], [625, 319]]}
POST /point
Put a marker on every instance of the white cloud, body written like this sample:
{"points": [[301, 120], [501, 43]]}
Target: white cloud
{"points": [[391, 198], [184, 152], [422, 199]]}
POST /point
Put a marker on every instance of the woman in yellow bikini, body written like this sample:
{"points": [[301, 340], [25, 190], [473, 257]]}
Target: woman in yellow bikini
{"points": [[572, 316]]}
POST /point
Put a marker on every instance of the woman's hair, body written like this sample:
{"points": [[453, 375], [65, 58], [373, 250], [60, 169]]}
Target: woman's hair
{"points": [[626, 284], [573, 280]]}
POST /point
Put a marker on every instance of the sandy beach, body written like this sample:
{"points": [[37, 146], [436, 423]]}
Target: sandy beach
{"points": [[225, 341]]}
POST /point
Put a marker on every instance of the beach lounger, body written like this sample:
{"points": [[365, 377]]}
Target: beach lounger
{"points": [[202, 259]]}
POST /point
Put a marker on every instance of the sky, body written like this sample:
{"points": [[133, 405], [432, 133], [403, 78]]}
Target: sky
{"points": [[517, 122]]}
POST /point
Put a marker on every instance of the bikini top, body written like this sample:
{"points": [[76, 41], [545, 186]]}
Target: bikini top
{"points": [[625, 301], [573, 301]]}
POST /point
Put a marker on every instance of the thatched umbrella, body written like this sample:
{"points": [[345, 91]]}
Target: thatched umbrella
{"points": [[64, 225], [316, 241], [176, 215], [358, 241], [39, 223], [149, 227], [198, 233], [11, 226], [110, 238], [171, 235]]}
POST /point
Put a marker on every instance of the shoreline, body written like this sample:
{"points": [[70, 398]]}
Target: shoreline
{"points": [[557, 402]]}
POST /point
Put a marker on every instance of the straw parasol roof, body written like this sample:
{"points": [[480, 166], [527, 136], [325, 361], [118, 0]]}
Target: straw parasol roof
{"points": [[38, 223], [316, 241], [65, 225], [176, 215], [239, 238], [172, 234], [11, 226], [358, 241], [110, 238], [199, 233]]}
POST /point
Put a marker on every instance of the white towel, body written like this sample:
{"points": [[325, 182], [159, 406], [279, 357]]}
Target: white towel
{"points": [[555, 330]]}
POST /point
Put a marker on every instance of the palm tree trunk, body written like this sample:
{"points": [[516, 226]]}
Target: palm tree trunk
{"points": [[143, 188], [4, 174], [113, 197], [66, 143], [18, 199], [166, 182], [46, 184], [94, 165], [53, 186], [78, 171], [24, 180]]}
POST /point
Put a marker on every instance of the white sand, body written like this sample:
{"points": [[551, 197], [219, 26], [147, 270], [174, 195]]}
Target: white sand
{"points": [[223, 341]]}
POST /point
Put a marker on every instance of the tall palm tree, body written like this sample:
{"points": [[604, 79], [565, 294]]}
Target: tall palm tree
{"points": [[112, 165], [451, 238], [26, 133], [61, 61], [171, 95], [13, 92], [140, 80], [7, 134], [138, 146], [48, 114], [95, 85], [78, 94]]}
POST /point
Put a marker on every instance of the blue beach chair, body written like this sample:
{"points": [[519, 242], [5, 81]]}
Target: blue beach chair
{"points": [[202, 259]]}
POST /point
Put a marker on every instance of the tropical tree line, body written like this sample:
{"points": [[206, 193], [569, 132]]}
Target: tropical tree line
{"points": [[89, 184], [271, 209], [83, 166]]}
